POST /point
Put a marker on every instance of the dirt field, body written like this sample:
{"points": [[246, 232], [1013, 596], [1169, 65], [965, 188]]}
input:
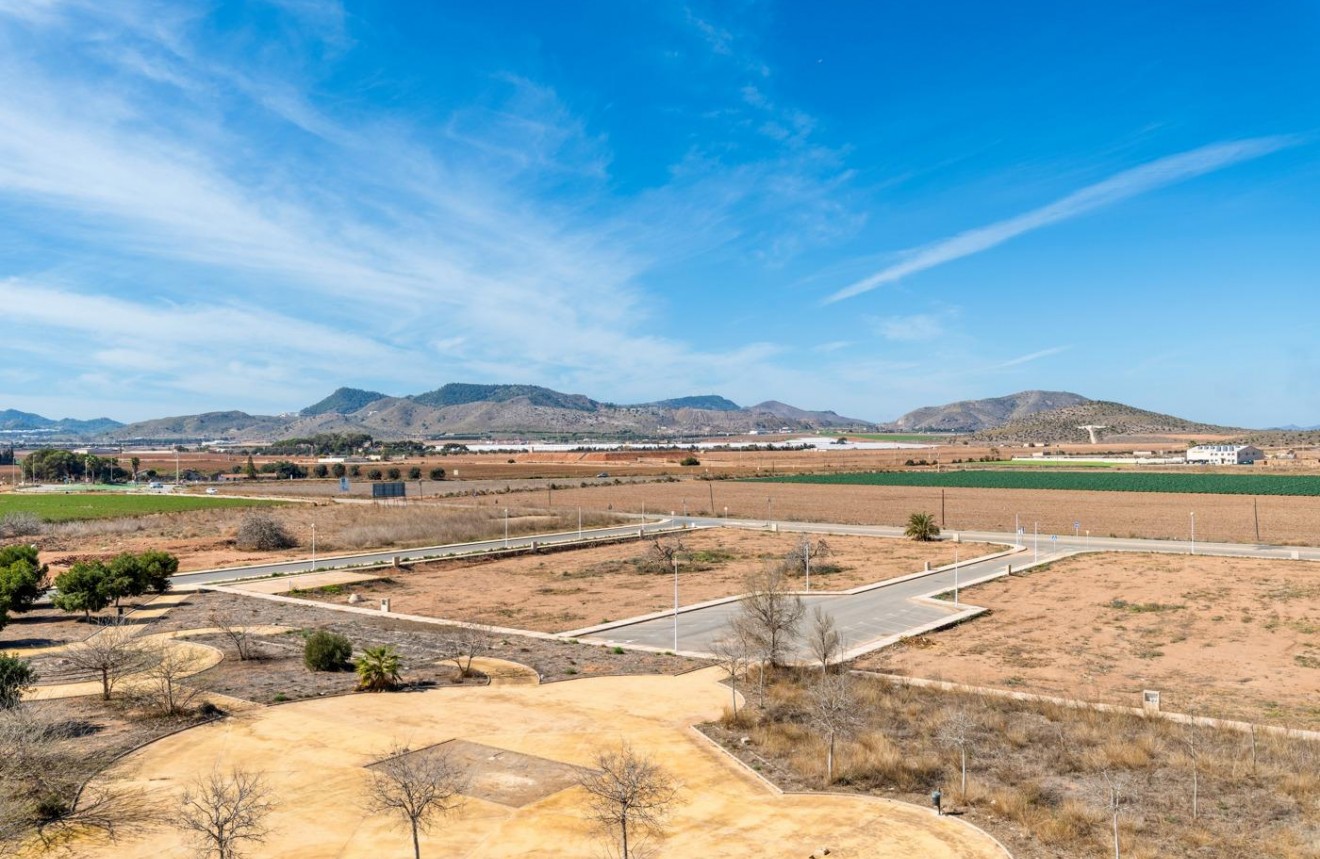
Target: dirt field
{"points": [[1224, 637], [1286, 520], [568, 590], [205, 539]]}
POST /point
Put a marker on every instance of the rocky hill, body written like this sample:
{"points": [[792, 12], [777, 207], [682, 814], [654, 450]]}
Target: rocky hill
{"points": [[971, 416], [506, 410], [1121, 421], [16, 421]]}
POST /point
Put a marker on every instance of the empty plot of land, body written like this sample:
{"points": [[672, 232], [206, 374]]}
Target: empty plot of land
{"points": [[1225, 637], [567, 590], [1226, 518]]}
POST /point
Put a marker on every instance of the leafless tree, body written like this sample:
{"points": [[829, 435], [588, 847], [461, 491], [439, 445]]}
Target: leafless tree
{"points": [[166, 664], [111, 653], [630, 796], [959, 732], [225, 812], [770, 615], [42, 797], [802, 554], [660, 557], [262, 532], [461, 644], [231, 624], [823, 638], [835, 714], [417, 787], [1115, 792], [1191, 743], [733, 652]]}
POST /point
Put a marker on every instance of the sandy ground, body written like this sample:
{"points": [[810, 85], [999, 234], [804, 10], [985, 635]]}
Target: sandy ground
{"points": [[1224, 637], [560, 591], [1228, 518], [314, 756]]}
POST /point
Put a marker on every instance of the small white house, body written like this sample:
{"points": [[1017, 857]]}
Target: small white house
{"points": [[1224, 454]]}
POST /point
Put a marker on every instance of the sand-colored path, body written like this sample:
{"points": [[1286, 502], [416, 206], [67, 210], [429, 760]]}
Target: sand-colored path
{"points": [[312, 754]]}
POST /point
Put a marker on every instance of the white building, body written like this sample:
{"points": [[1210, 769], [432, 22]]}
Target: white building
{"points": [[1224, 454]]}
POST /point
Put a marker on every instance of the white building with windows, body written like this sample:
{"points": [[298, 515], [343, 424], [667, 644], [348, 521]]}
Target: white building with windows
{"points": [[1224, 454]]}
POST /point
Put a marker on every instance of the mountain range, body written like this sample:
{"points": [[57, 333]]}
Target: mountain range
{"points": [[512, 410], [467, 409]]}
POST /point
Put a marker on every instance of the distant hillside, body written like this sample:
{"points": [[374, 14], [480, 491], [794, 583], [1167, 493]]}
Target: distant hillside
{"points": [[707, 402], [12, 419], [505, 410], [210, 425], [970, 416], [457, 394], [343, 401], [1121, 421]]}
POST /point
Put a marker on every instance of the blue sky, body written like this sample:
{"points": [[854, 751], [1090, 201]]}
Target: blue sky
{"points": [[867, 206]]}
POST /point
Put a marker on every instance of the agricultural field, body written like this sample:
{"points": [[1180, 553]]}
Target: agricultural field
{"points": [[1196, 484], [1282, 519], [77, 506], [565, 590], [1228, 637]]}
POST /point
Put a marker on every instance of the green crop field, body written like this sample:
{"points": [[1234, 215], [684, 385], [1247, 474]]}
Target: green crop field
{"points": [[1205, 484], [65, 507]]}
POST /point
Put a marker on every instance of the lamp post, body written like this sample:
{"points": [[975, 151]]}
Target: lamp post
{"points": [[579, 523], [313, 547], [806, 559], [676, 602], [955, 575], [506, 527], [1193, 545], [1035, 552]]}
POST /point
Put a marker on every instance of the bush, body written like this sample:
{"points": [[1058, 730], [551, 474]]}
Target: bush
{"points": [[15, 676], [414, 473], [338, 469], [437, 474], [261, 532], [20, 524], [689, 460], [355, 471], [374, 474], [326, 651], [321, 470], [393, 474]]}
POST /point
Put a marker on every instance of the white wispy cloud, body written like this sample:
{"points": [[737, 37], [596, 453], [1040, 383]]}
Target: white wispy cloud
{"points": [[1026, 359], [916, 328], [1122, 186]]}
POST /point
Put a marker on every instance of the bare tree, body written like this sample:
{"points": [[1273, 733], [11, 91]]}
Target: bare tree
{"points": [[660, 557], [770, 615], [733, 652], [802, 554], [225, 812], [166, 664], [959, 731], [112, 654], [462, 644], [834, 713], [1115, 796], [231, 624], [630, 796], [1191, 743], [417, 787], [42, 792], [823, 638]]}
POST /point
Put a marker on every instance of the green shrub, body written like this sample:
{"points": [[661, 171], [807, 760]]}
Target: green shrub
{"points": [[414, 473], [15, 675], [437, 474], [326, 651], [689, 460]]}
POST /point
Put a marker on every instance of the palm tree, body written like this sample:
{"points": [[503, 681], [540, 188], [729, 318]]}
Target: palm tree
{"points": [[378, 669], [921, 526]]}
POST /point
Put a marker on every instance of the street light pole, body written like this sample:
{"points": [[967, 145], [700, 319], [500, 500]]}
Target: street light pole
{"points": [[506, 527], [676, 603], [313, 547], [955, 575], [1036, 536], [806, 559], [1193, 532], [579, 522]]}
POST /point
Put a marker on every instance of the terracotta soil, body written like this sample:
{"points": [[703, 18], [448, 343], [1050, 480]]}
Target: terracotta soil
{"points": [[1227, 637], [561, 591], [1227, 518]]}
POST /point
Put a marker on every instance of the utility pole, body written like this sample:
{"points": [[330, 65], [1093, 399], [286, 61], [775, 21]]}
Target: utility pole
{"points": [[676, 602], [1193, 543], [943, 521], [1036, 537], [579, 522], [955, 575], [313, 547], [806, 559], [711, 486], [1255, 512], [176, 466], [506, 527]]}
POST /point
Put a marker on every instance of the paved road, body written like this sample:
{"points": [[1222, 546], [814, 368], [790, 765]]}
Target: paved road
{"points": [[305, 565], [890, 610]]}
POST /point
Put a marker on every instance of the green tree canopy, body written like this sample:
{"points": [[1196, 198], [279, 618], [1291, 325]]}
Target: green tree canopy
{"points": [[21, 575], [84, 587]]}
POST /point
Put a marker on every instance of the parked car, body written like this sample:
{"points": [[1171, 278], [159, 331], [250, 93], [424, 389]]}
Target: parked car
{"points": [[211, 490]]}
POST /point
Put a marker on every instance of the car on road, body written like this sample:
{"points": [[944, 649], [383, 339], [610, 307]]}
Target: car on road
{"points": [[211, 490], [603, 474]]}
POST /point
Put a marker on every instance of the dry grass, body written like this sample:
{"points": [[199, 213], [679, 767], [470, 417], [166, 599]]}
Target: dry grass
{"points": [[1036, 772]]}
